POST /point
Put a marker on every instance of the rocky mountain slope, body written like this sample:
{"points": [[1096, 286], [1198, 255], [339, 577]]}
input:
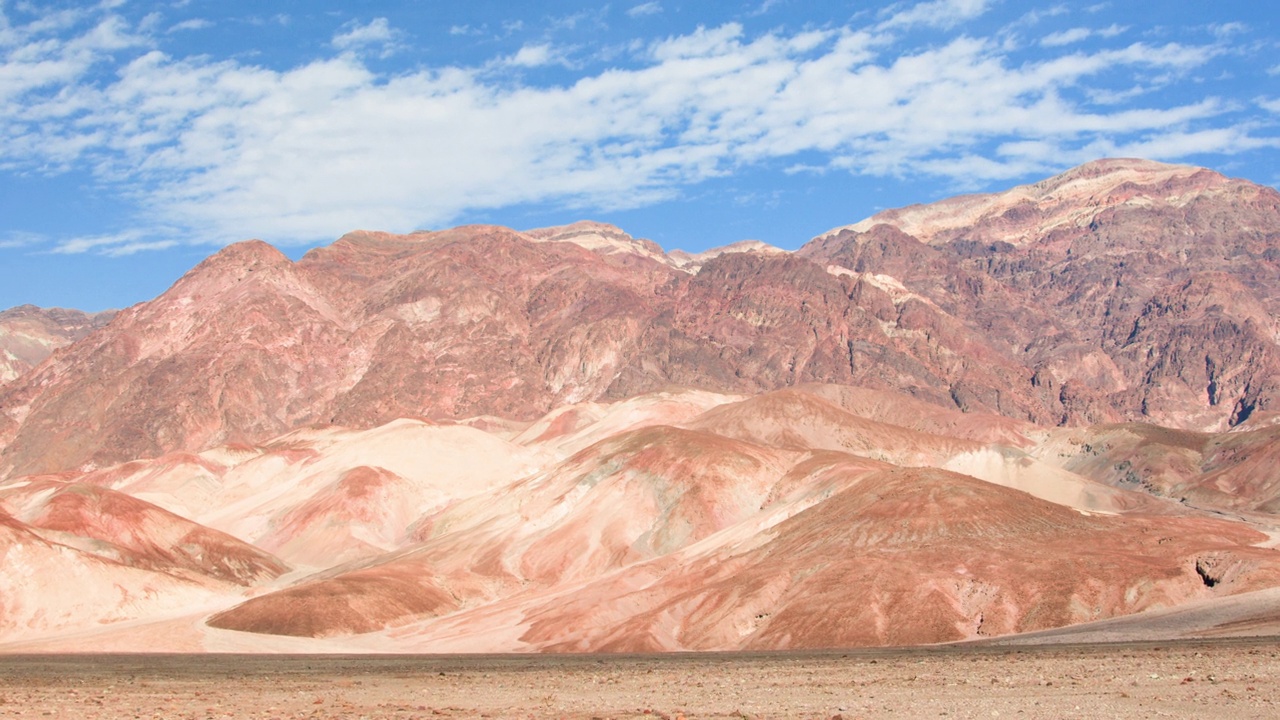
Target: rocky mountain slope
{"points": [[29, 334], [994, 414], [1134, 291]]}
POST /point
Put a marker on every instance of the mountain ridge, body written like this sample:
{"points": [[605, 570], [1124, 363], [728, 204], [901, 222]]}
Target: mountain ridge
{"points": [[609, 316]]}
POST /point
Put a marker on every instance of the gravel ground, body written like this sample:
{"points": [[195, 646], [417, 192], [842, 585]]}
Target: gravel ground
{"points": [[1235, 679]]}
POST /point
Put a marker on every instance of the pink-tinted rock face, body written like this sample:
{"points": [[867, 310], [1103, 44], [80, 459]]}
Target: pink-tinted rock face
{"points": [[1130, 290]]}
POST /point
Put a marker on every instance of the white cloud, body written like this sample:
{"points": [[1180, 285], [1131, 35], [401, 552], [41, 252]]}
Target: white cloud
{"points": [[531, 56], [582, 19], [376, 32], [643, 9], [1075, 35], [1180, 144], [19, 239], [1227, 30], [765, 8], [115, 244], [938, 13], [36, 62], [221, 150], [1065, 37], [1108, 96], [193, 24]]}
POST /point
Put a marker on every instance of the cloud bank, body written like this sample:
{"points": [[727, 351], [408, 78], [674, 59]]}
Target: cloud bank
{"points": [[217, 148]]}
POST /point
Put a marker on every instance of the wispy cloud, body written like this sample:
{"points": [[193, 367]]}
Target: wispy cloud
{"points": [[192, 24], [643, 9], [18, 239], [1075, 35], [377, 33], [765, 8], [1227, 30], [114, 244], [938, 14], [536, 55], [1065, 37], [217, 150]]}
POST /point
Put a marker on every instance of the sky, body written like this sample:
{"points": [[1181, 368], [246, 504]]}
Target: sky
{"points": [[136, 138]]}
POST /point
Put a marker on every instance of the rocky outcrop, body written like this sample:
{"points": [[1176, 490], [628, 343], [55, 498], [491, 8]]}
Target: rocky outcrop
{"points": [[1129, 289]]}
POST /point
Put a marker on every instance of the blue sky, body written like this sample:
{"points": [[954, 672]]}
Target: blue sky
{"points": [[137, 137]]}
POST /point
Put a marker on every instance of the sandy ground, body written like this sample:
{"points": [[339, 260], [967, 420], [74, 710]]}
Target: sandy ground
{"points": [[1226, 678]]}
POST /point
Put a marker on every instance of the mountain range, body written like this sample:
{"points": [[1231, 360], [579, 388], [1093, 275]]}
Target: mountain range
{"points": [[990, 415]]}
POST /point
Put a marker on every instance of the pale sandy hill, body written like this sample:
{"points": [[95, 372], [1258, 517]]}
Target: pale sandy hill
{"points": [[113, 567], [805, 419], [123, 529], [322, 496], [633, 497]]}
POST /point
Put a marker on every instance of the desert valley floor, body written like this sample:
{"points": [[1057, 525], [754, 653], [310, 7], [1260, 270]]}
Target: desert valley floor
{"points": [[1226, 678]]}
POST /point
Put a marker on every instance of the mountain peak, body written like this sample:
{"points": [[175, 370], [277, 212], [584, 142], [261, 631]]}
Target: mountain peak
{"points": [[600, 238], [248, 251], [694, 261], [1104, 175], [1027, 212]]}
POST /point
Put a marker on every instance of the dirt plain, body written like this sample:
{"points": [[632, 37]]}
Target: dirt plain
{"points": [[1230, 678]]}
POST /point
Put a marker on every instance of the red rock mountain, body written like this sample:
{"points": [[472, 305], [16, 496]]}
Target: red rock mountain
{"points": [[989, 415], [1086, 298]]}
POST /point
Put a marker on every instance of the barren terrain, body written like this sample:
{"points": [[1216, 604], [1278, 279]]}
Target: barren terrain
{"points": [[1233, 678], [1047, 410]]}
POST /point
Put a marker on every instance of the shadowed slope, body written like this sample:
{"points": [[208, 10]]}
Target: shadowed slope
{"points": [[1237, 471]]}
